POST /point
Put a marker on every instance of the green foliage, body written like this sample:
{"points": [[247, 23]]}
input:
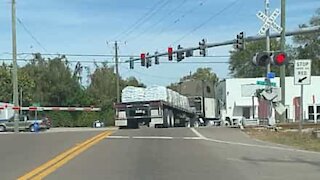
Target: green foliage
{"points": [[309, 45], [50, 82], [205, 74]]}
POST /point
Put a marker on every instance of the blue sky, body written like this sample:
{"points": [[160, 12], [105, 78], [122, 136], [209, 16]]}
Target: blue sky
{"points": [[84, 27]]}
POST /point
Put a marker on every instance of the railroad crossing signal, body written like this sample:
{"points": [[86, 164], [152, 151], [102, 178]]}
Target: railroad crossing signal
{"points": [[269, 22], [264, 58], [279, 58]]}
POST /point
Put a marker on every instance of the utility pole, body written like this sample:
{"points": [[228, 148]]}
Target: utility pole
{"points": [[117, 70], [283, 68], [14, 66]]}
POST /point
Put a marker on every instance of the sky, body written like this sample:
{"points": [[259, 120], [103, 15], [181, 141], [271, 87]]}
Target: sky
{"points": [[140, 26]]}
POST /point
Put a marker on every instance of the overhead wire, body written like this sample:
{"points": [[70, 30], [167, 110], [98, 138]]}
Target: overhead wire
{"points": [[144, 19], [152, 26], [228, 6], [31, 34]]}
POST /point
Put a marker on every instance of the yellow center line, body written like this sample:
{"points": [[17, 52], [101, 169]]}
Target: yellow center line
{"points": [[61, 159]]}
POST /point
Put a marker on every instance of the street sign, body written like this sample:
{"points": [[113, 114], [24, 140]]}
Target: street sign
{"points": [[271, 75], [269, 22], [264, 83], [302, 72]]}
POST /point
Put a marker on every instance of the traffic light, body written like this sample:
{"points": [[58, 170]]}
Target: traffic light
{"points": [[202, 46], [279, 58], [143, 59], [156, 58], [261, 59], [131, 62], [170, 50], [240, 42], [180, 55], [189, 53], [148, 61]]}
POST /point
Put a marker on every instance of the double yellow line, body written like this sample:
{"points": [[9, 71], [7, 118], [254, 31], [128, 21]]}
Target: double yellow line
{"points": [[47, 168]]}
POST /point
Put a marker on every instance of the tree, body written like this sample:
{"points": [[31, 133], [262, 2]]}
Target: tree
{"points": [[309, 44], [204, 74]]}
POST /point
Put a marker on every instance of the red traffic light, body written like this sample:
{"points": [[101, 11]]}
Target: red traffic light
{"points": [[143, 59], [279, 58], [170, 50]]}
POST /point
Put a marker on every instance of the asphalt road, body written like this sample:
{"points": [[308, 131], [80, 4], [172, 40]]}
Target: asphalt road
{"points": [[173, 153]]}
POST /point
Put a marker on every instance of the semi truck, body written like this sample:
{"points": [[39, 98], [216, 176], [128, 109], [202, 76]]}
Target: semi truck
{"points": [[154, 107]]}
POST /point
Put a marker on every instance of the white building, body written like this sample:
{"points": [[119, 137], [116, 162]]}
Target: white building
{"points": [[235, 99]]}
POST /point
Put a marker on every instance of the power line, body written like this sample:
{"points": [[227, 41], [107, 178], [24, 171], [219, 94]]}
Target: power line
{"points": [[139, 21], [152, 26], [31, 35], [147, 18], [208, 20], [190, 11]]}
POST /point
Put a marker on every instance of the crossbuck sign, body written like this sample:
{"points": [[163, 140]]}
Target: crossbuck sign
{"points": [[269, 22]]}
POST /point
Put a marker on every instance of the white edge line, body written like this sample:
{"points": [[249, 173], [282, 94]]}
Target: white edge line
{"points": [[252, 145]]}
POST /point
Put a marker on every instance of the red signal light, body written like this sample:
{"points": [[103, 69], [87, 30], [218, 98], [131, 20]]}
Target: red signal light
{"points": [[170, 50], [279, 59], [143, 59]]}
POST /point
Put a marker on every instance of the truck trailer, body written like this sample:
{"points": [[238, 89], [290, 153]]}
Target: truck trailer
{"points": [[155, 106]]}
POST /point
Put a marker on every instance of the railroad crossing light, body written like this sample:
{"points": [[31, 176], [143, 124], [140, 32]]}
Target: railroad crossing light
{"points": [[143, 59], [202, 46], [240, 42], [189, 53], [131, 63], [180, 55], [156, 58], [279, 58], [261, 59], [170, 50]]}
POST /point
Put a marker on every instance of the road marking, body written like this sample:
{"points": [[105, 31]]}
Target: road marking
{"points": [[252, 145], [192, 138], [118, 137], [153, 137], [47, 168], [197, 133]]}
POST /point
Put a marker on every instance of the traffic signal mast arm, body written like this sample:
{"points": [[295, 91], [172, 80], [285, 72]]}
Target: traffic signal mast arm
{"points": [[231, 42]]}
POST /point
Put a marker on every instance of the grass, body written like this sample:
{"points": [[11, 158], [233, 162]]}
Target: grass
{"points": [[305, 141]]}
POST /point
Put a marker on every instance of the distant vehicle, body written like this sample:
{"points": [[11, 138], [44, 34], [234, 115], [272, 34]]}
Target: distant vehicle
{"points": [[25, 124], [98, 124]]}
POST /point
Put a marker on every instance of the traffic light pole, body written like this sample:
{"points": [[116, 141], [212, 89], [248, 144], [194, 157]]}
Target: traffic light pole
{"points": [[283, 68], [247, 39]]}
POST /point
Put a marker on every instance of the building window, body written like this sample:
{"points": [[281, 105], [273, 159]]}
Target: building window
{"points": [[311, 113]]}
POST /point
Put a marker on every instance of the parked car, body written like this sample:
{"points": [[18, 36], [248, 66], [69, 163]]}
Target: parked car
{"points": [[25, 124]]}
